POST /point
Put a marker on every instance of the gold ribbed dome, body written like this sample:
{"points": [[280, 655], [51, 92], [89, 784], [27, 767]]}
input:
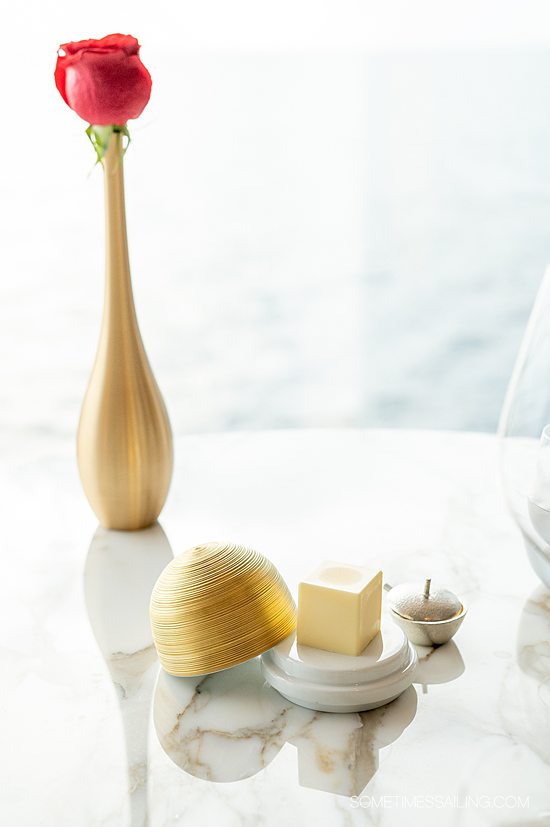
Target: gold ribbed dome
{"points": [[217, 605]]}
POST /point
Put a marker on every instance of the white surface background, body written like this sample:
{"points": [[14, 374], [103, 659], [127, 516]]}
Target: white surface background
{"points": [[338, 212]]}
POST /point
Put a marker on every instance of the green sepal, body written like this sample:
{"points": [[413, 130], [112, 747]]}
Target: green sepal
{"points": [[101, 135]]}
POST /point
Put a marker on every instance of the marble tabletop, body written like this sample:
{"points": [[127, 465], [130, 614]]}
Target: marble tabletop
{"points": [[95, 734]]}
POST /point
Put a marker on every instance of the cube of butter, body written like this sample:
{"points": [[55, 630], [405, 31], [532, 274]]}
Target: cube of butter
{"points": [[339, 608]]}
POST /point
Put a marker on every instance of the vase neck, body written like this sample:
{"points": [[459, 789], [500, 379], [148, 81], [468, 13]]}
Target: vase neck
{"points": [[118, 285]]}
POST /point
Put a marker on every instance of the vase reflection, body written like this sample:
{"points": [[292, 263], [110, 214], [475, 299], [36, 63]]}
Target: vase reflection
{"points": [[120, 572]]}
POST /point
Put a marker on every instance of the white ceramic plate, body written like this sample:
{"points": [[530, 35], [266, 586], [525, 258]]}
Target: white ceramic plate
{"points": [[331, 682]]}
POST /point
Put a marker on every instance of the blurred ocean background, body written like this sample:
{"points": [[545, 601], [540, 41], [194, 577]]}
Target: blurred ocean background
{"points": [[317, 239]]}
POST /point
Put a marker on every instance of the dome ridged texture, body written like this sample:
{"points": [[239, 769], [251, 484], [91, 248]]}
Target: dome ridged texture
{"points": [[218, 605]]}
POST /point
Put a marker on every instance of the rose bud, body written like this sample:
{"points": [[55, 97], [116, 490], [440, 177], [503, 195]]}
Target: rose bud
{"points": [[103, 81]]}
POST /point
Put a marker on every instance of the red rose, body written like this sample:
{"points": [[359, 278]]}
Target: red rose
{"points": [[103, 81]]}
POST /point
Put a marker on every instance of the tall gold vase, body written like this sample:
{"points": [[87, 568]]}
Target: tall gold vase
{"points": [[124, 443]]}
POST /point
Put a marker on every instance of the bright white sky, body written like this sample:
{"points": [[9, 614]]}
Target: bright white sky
{"points": [[356, 23], [294, 24]]}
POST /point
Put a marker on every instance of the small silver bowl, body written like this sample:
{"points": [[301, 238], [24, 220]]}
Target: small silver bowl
{"points": [[428, 618], [429, 632]]}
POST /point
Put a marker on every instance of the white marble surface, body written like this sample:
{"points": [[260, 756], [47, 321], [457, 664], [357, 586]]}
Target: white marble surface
{"points": [[93, 735]]}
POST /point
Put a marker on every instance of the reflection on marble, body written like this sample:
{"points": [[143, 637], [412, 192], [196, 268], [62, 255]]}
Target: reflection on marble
{"points": [[526, 692], [440, 664], [230, 725], [533, 640], [339, 753], [298, 497], [120, 572]]}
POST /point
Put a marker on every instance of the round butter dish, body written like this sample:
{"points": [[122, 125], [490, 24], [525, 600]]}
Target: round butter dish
{"points": [[330, 682]]}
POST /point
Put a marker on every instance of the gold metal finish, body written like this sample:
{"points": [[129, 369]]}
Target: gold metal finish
{"points": [[218, 605], [124, 441]]}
